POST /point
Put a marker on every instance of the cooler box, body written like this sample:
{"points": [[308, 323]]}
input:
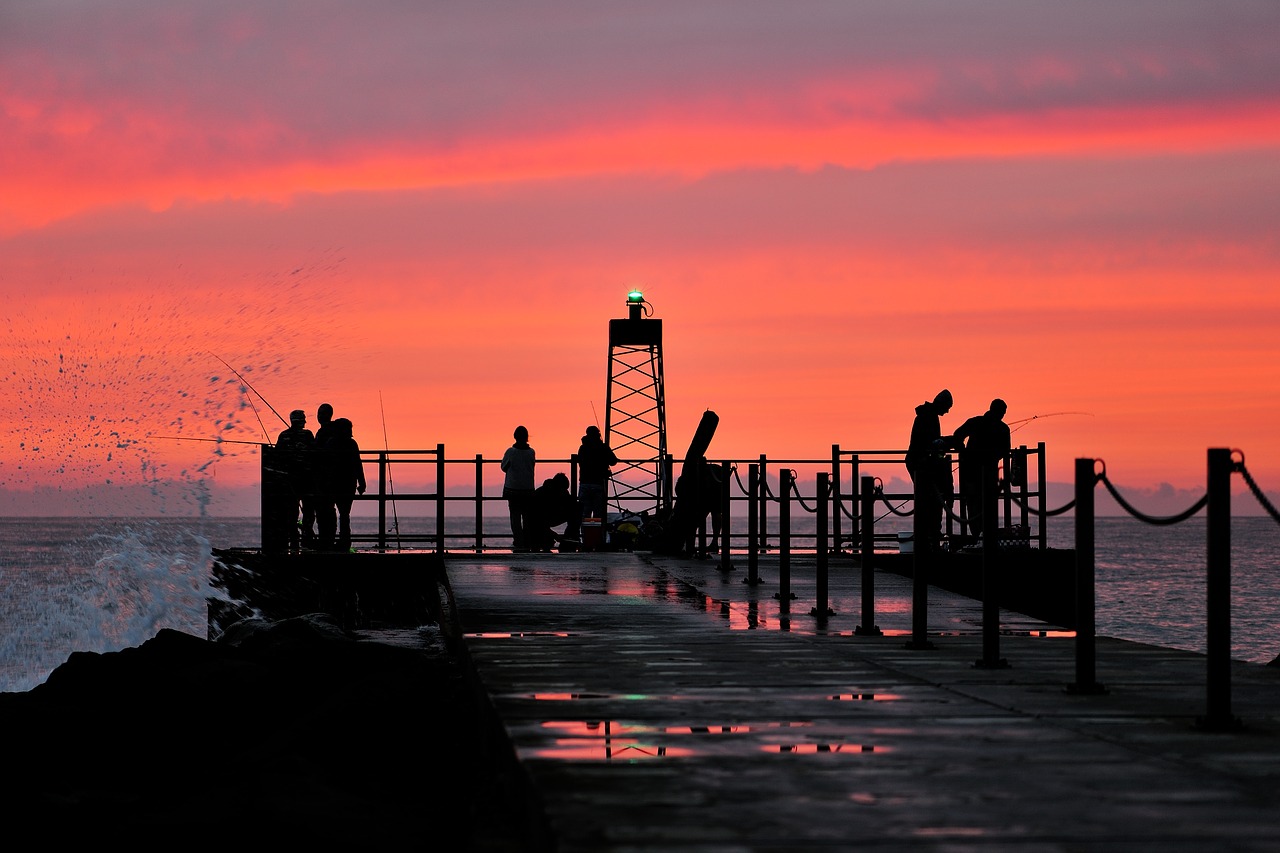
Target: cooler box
{"points": [[592, 534]]}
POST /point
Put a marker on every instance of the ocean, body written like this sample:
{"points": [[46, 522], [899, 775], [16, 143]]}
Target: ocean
{"points": [[105, 584]]}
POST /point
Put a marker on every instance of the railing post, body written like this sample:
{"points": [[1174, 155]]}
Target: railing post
{"points": [[836, 496], [382, 501], [990, 573], [763, 499], [1085, 628], [867, 493], [821, 608], [924, 522], [440, 498], [1040, 495], [753, 522], [1218, 642], [786, 477], [726, 515], [479, 503]]}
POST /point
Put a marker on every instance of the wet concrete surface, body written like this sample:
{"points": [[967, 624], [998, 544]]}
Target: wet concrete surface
{"points": [[659, 703]]}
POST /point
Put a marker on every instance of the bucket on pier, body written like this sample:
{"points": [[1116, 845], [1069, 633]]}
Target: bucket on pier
{"points": [[592, 534], [906, 542]]}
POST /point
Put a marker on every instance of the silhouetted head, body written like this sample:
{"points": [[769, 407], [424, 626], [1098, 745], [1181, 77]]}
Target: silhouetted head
{"points": [[324, 414], [998, 407], [593, 431], [561, 481], [343, 426], [521, 434], [943, 401], [297, 417]]}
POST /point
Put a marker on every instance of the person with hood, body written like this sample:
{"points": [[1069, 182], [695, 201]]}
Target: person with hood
{"points": [[926, 456], [347, 474], [518, 462], [553, 505], [984, 442], [594, 460]]}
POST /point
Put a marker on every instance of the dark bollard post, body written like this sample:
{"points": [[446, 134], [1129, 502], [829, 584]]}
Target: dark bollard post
{"points": [[1085, 629], [923, 518], [821, 608], [785, 478], [726, 504], [753, 520], [479, 503], [990, 575], [868, 627], [1218, 641]]}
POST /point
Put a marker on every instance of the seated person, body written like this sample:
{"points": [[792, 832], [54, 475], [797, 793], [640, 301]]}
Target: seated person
{"points": [[554, 505]]}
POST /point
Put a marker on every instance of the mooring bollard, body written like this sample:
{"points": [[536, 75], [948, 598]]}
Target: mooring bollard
{"points": [[990, 575], [821, 608], [1218, 595], [868, 627], [1086, 641], [785, 478]]}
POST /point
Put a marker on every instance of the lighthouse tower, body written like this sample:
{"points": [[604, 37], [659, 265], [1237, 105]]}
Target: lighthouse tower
{"points": [[635, 425]]}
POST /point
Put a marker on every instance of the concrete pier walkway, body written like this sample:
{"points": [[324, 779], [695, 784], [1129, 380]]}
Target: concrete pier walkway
{"points": [[658, 703]]}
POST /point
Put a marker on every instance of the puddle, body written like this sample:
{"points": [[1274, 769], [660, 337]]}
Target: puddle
{"points": [[823, 748], [865, 697], [515, 635]]}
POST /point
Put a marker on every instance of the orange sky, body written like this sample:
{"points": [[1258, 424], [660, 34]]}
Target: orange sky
{"points": [[427, 216]]}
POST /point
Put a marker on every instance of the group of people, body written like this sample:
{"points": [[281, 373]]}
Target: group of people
{"points": [[982, 442], [537, 510], [321, 475]]}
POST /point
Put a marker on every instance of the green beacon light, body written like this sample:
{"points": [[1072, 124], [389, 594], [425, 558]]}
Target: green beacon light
{"points": [[635, 297]]}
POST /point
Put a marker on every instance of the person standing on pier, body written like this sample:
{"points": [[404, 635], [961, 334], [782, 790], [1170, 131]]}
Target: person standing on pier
{"points": [[518, 463], [984, 443], [927, 460], [348, 478], [293, 448], [594, 460]]}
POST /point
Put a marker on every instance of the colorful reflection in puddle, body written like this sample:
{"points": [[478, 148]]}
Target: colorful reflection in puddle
{"points": [[865, 697], [823, 748], [626, 751], [594, 728]]}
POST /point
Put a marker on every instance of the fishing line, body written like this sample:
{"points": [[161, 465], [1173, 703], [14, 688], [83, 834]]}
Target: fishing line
{"points": [[1024, 421], [391, 486]]}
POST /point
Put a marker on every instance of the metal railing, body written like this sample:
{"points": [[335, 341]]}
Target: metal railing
{"points": [[418, 500]]}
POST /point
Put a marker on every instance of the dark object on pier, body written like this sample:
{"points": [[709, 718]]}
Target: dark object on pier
{"points": [[696, 494]]}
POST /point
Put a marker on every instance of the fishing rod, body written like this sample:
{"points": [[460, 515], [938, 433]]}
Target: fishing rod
{"points": [[1024, 421], [260, 397], [391, 487], [216, 440]]}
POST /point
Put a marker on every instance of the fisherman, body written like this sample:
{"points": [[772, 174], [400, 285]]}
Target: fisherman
{"points": [[927, 462], [594, 460], [293, 457], [346, 479], [553, 505], [984, 443]]}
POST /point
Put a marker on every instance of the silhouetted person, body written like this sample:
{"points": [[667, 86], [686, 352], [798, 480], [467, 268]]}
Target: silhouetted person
{"points": [[324, 510], [293, 452], [594, 460], [346, 478], [986, 443], [517, 463], [553, 505], [927, 463]]}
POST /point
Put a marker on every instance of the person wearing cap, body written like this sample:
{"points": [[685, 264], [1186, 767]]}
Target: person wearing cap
{"points": [[293, 448], [518, 463], [594, 460], [926, 457], [984, 442]]}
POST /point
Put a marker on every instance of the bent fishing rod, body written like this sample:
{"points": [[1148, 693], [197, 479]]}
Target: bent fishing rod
{"points": [[246, 384]]}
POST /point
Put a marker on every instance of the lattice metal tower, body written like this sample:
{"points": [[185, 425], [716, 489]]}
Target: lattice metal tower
{"points": [[635, 424]]}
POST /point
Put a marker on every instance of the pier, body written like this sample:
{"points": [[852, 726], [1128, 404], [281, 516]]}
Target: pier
{"points": [[658, 703]]}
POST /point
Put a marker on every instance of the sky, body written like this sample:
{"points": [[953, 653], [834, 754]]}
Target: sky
{"points": [[427, 213]]}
